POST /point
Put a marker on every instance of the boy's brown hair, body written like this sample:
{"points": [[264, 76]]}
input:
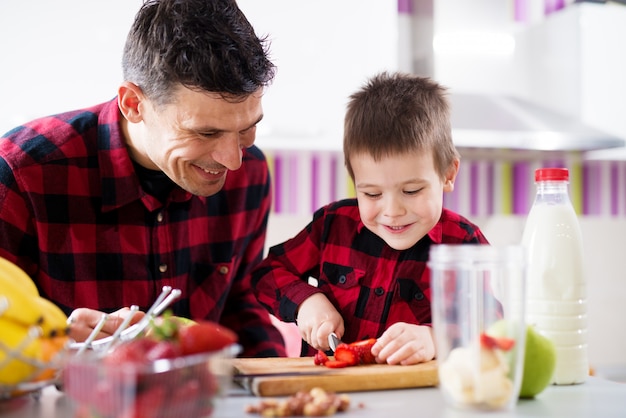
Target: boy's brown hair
{"points": [[394, 113]]}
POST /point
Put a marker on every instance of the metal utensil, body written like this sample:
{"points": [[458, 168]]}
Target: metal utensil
{"points": [[333, 341], [165, 299]]}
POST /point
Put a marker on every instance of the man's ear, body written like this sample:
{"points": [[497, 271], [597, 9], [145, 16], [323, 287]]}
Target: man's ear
{"points": [[453, 170], [129, 100]]}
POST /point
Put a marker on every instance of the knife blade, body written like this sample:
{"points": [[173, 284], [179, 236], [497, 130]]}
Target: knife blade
{"points": [[244, 376], [333, 341]]}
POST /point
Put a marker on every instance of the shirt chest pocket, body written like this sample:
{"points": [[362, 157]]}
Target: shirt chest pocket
{"points": [[341, 276]]}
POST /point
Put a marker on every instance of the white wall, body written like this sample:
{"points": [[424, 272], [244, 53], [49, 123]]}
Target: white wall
{"points": [[59, 55]]}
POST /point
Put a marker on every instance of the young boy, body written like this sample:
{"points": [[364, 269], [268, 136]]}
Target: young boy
{"points": [[359, 268]]}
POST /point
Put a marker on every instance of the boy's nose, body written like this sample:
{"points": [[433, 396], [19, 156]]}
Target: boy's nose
{"points": [[393, 207]]}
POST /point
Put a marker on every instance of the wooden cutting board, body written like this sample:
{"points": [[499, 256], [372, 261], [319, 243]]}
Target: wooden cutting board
{"points": [[347, 379]]}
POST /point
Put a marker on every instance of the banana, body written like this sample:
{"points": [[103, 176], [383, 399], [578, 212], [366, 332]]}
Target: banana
{"points": [[17, 367], [22, 306], [54, 319], [19, 276]]}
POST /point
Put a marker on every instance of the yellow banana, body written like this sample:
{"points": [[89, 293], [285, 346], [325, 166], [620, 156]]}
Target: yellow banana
{"points": [[19, 276], [16, 367], [20, 307], [54, 319]]}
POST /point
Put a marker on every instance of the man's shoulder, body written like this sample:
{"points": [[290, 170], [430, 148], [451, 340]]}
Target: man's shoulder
{"points": [[46, 139]]}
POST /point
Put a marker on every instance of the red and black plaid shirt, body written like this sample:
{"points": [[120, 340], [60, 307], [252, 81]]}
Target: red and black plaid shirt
{"points": [[372, 285], [74, 216]]}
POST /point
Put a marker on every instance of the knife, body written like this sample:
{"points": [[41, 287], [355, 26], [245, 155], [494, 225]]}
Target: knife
{"points": [[333, 341]]}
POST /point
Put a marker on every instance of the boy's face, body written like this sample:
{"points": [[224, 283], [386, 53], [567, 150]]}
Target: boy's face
{"points": [[400, 197]]}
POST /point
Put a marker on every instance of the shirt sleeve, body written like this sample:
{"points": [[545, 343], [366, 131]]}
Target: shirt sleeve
{"points": [[281, 281], [17, 237]]}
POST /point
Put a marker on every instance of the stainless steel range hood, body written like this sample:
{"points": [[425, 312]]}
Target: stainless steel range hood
{"points": [[503, 122]]}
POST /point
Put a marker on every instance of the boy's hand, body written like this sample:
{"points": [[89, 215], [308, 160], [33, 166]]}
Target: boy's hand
{"points": [[317, 318], [405, 344]]}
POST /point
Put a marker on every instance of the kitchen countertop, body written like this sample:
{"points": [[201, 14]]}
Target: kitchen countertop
{"points": [[595, 398]]}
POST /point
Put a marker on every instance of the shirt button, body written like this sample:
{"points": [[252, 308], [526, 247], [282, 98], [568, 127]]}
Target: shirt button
{"points": [[160, 217], [418, 296], [342, 279], [379, 291], [223, 270], [163, 268]]}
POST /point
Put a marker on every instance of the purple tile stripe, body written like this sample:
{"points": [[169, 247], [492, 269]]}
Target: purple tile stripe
{"points": [[490, 188], [474, 188], [520, 10], [522, 181], [404, 6], [278, 190], [614, 176], [315, 184]]}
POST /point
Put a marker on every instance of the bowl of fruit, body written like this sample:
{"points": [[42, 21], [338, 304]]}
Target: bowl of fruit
{"points": [[33, 335], [174, 369]]}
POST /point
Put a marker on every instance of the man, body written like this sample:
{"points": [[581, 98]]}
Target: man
{"points": [[161, 186]]}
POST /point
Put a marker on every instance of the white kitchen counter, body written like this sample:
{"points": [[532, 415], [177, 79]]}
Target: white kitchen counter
{"points": [[595, 398]]}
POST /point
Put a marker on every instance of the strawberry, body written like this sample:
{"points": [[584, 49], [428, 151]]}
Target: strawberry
{"points": [[133, 351], [363, 349], [162, 350], [345, 353], [320, 358], [204, 336], [147, 404], [501, 343], [336, 364]]}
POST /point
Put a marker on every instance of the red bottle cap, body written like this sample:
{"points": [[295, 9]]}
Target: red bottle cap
{"points": [[551, 174]]}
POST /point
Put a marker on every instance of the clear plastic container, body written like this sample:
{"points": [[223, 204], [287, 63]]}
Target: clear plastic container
{"points": [[190, 386], [477, 298]]}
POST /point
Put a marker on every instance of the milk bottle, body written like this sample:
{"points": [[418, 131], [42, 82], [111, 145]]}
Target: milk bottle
{"points": [[556, 288]]}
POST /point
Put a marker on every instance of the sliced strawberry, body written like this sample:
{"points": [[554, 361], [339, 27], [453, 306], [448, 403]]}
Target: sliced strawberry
{"points": [[363, 350], [320, 358], [500, 343], [336, 364], [344, 352]]}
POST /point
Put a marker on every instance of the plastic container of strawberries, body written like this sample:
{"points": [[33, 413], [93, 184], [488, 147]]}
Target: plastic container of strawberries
{"points": [[189, 386]]}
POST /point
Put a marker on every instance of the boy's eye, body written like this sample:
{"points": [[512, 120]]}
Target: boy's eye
{"points": [[412, 192], [372, 195]]}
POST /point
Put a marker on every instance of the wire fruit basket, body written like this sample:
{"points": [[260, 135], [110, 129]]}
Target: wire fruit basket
{"points": [[43, 373]]}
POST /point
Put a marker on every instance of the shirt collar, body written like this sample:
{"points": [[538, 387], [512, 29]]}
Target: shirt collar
{"points": [[120, 184]]}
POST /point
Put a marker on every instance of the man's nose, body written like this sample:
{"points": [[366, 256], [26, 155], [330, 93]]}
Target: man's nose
{"points": [[229, 152]]}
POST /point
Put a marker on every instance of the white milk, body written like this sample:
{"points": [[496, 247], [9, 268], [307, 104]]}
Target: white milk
{"points": [[556, 288]]}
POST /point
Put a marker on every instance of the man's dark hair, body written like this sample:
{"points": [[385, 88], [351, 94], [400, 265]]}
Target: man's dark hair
{"points": [[204, 45]]}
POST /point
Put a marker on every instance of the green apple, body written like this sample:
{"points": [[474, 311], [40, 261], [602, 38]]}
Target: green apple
{"points": [[539, 358], [539, 363]]}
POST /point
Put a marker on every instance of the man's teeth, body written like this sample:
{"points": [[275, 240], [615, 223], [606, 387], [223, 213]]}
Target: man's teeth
{"points": [[210, 172]]}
